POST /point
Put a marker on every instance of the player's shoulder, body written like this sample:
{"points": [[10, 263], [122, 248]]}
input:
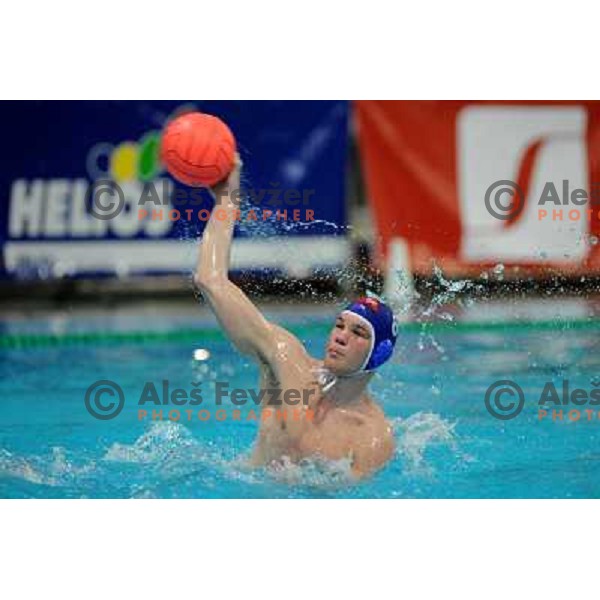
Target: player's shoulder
{"points": [[374, 420], [375, 442], [373, 410]]}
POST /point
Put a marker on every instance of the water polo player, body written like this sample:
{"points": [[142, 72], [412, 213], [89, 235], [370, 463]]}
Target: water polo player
{"points": [[338, 420]]}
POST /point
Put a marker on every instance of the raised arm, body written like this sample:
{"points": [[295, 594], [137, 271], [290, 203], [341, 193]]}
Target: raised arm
{"points": [[242, 321]]}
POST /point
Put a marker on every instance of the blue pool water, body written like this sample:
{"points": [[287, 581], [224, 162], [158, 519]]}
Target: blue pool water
{"points": [[448, 445]]}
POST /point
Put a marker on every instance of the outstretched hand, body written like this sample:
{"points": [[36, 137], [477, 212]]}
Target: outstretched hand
{"points": [[231, 183]]}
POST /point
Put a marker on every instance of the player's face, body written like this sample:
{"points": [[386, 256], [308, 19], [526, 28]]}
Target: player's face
{"points": [[348, 345]]}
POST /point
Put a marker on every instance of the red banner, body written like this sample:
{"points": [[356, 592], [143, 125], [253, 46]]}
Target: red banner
{"points": [[468, 185]]}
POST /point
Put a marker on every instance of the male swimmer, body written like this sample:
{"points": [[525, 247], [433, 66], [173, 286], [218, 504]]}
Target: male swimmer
{"points": [[340, 420]]}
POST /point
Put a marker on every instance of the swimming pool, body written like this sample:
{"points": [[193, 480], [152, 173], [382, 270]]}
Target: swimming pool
{"points": [[448, 444]]}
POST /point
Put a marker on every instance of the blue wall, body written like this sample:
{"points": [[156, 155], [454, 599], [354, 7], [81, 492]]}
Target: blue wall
{"points": [[284, 144]]}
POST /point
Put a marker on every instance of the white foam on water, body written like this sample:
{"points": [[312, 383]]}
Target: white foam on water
{"points": [[22, 468], [54, 470], [315, 472], [163, 439], [174, 452], [419, 432]]}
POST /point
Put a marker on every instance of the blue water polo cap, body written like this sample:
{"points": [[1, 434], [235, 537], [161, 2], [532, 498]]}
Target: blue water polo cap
{"points": [[380, 320]]}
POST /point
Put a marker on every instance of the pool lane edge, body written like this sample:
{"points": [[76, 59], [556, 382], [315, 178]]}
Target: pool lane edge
{"points": [[16, 341]]}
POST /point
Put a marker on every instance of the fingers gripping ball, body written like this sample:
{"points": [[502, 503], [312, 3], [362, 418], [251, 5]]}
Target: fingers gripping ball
{"points": [[198, 149]]}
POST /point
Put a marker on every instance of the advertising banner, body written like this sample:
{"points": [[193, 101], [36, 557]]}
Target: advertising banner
{"points": [[471, 185], [63, 159]]}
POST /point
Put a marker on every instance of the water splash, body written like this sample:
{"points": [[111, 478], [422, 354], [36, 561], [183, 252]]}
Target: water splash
{"points": [[418, 433], [54, 470], [316, 473], [171, 450], [447, 292], [21, 468], [162, 441], [446, 300]]}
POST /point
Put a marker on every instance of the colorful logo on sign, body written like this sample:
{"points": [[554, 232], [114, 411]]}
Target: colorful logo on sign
{"points": [[127, 161]]}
